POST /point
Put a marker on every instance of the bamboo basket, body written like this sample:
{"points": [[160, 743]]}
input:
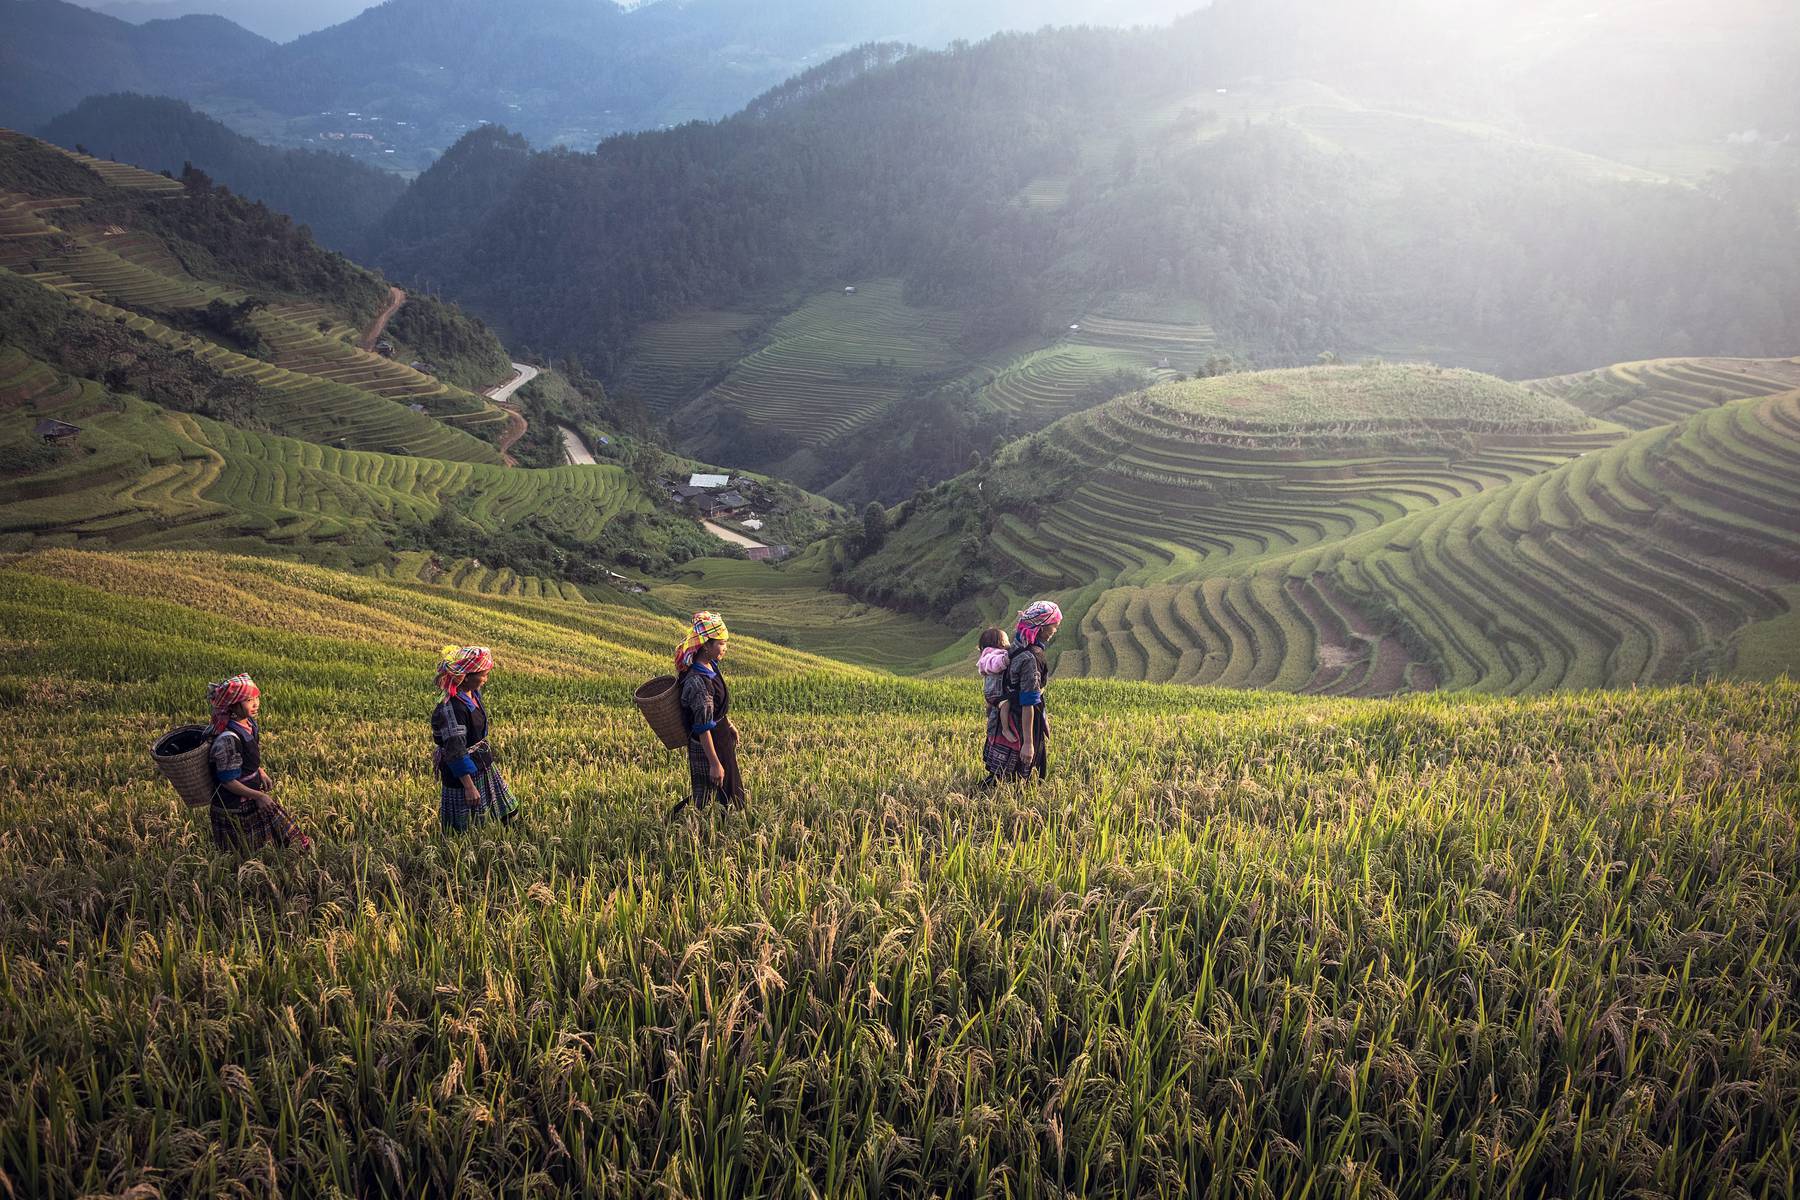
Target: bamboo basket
{"points": [[184, 757], [660, 702]]}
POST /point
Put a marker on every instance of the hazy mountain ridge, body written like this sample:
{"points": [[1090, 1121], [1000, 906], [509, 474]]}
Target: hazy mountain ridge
{"points": [[53, 55], [338, 197], [1020, 183], [416, 74]]}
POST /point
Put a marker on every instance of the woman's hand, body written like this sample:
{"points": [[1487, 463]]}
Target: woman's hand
{"points": [[716, 773]]}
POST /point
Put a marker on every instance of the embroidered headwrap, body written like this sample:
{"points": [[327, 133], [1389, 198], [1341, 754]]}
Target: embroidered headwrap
{"points": [[1037, 617], [222, 696], [459, 662], [707, 627]]}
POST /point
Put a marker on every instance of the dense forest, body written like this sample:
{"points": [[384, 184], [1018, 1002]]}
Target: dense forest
{"points": [[335, 196], [1504, 258], [54, 55]]}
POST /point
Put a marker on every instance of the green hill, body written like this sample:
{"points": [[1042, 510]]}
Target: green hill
{"points": [[1367, 530], [1642, 563], [208, 354], [146, 476], [200, 273], [335, 196], [1441, 945], [1180, 478], [1028, 218]]}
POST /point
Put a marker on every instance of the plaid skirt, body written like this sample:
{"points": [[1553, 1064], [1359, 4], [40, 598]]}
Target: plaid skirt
{"points": [[1003, 758], [249, 829], [455, 812]]}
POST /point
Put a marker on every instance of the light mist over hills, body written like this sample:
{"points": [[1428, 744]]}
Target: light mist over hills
{"points": [[277, 20], [398, 83]]}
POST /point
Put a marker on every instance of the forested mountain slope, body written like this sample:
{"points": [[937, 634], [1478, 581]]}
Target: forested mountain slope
{"points": [[53, 55], [335, 196], [1014, 196], [201, 357]]}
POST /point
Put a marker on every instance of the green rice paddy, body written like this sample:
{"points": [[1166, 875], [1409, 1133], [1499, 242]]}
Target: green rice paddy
{"points": [[1237, 944]]}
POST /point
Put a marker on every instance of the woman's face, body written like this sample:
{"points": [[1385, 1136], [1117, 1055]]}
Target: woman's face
{"points": [[718, 649], [248, 709], [474, 681]]}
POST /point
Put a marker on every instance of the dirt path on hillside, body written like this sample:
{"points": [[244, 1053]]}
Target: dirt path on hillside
{"points": [[515, 429], [576, 449], [396, 298], [726, 535]]}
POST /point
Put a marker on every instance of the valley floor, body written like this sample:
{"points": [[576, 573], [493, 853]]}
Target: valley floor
{"points": [[1237, 943]]}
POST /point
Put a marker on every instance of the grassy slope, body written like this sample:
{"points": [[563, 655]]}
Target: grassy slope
{"points": [[143, 477], [1435, 946], [793, 603], [831, 365], [1310, 530], [90, 231], [1636, 564]]}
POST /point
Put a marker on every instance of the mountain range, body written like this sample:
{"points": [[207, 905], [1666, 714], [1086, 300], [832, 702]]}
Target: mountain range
{"points": [[998, 209], [277, 20], [410, 76]]}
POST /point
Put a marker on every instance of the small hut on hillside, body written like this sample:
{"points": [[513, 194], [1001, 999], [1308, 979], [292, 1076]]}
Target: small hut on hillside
{"points": [[56, 433]]}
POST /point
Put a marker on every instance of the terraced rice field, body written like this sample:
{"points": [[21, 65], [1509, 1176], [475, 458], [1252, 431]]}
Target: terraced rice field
{"points": [[793, 602], [309, 407], [1234, 945], [1147, 341], [124, 175], [1043, 385], [836, 363], [1643, 395], [24, 236], [93, 264], [1637, 564], [1159, 499], [673, 361], [143, 477], [472, 577]]}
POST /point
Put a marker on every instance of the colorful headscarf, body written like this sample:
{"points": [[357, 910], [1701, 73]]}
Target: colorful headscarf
{"points": [[1037, 617], [707, 627], [459, 662], [223, 696]]}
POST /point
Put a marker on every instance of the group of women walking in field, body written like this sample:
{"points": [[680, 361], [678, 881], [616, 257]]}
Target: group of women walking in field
{"points": [[245, 816]]}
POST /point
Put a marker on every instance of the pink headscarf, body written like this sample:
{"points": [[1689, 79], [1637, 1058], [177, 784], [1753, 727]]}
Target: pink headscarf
{"points": [[1037, 617]]}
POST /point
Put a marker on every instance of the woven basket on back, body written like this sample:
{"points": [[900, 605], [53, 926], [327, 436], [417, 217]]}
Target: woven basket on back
{"points": [[182, 755], [660, 702]]}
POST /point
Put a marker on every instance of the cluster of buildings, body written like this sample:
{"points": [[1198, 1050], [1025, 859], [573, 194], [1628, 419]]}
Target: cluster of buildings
{"points": [[714, 498]]}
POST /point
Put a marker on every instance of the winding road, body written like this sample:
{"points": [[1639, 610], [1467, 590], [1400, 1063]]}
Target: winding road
{"points": [[524, 373], [502, 394], [396, 298]]}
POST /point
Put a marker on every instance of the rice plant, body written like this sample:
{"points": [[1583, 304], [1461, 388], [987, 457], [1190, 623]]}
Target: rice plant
{"points": [[1238, 944]]}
